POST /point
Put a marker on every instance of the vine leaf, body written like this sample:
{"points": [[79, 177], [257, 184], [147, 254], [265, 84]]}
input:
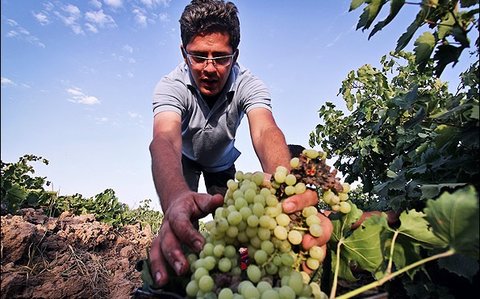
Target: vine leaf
{"points": [[416, 227], [395, 7], [369, 14], [365, 245], [444, 55], [454, 218], [424, 46]]}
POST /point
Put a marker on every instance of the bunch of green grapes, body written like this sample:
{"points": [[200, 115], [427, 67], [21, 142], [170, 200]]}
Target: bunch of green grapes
{"points": [[310, 168], [253, 248]]}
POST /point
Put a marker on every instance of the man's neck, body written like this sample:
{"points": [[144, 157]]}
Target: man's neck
{"points": [[210, 100]]}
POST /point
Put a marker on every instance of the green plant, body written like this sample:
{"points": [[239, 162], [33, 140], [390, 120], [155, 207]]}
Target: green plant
{"points": [[450, 22], [406, 138], [19, 189]]}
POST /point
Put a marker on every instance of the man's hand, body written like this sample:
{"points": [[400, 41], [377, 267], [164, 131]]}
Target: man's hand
{"points": [[177, 229], [296, 203]]}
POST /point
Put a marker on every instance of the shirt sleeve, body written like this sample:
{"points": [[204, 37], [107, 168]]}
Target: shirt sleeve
{"points": [[253, 92], [169, 95]]}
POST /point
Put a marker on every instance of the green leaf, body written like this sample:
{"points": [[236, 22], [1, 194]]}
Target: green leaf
{"points": [[430, 191], [454, 218], [345, 271], [461, 265], [423, 49], [395, 6], [369, 14], [365, 245], [445, 26], [412, 28], [415, 226], [444, 55], [355, 4], [468, 3]]}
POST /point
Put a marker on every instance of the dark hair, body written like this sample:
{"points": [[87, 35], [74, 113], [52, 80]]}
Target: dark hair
{"points": [[295, 150], [206, 16]]}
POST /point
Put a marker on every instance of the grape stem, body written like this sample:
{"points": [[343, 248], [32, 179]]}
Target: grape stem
{"points": [[387, 277]]}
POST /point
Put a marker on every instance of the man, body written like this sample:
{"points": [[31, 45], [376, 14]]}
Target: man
{"points": [[197, 110]]}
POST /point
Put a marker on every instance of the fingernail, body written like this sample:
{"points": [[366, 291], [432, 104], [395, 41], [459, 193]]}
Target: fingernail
{"points": [[158, 277], [288, 207], [178, 267], [198, 245]]}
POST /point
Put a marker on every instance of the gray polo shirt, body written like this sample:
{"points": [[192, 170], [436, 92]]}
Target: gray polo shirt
{"points": [[208, 135]]}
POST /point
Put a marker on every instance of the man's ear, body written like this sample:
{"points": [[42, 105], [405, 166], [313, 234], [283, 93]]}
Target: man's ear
{"points": [[183, 50], [235, 57]]}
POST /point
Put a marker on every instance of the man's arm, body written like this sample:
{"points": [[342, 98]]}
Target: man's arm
{"points": [[180, 205], [165, 150], [268, 140]]}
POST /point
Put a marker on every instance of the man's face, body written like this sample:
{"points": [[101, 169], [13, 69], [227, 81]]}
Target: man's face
{"points": [[210, 77]]}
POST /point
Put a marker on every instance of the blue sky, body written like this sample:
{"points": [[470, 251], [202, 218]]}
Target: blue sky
{"points": [[77, 79]]}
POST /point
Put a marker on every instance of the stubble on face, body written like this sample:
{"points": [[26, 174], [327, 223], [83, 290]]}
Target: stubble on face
{"points": [[210, 80]]}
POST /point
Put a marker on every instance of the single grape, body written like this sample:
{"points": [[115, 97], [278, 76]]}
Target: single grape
{"points": [[232, 185], [300, 188], [286, 292], [254, 273], [192, 288], [206, 283], [225, 293], [316, 230], [258, 177], [283, 219], [294, 162], [290, 179], [280, 232], [313, 263], [295, 237], [224, 264], [345, 207]]}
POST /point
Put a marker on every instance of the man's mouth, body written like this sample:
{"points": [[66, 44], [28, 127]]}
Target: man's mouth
{"points": [[209, 82]]}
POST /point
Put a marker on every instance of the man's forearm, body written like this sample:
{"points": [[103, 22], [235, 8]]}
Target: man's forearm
{"points": [[272, 150], [167, 171]]}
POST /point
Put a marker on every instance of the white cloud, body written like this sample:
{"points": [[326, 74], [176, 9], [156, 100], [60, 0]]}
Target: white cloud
{"points": [[41, 18], [7, 82], [134, 114], [77, 96], [140, 17], [102, 119], [100, 18], [128, 48], [71, 18], [23, 34], [114, 3], [163, 17], [96, 3], [151, 3], [91, 28]]}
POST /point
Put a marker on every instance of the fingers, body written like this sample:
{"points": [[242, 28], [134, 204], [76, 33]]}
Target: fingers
{"points": [[297, 202], [308, 240], [207, 204], [166, 250], [184, 230]]}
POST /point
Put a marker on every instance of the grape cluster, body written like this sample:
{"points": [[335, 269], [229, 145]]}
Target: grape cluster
{"points": [[253, 249], [311, 169]]}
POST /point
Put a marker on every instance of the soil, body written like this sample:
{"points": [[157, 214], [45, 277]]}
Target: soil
{"points": [[69, 256]]}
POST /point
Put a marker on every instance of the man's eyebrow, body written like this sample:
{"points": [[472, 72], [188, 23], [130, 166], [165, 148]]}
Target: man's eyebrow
{"points": [[205, 54]]}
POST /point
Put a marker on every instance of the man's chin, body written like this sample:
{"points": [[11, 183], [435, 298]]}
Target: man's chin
{"points": [[209, 92]]}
